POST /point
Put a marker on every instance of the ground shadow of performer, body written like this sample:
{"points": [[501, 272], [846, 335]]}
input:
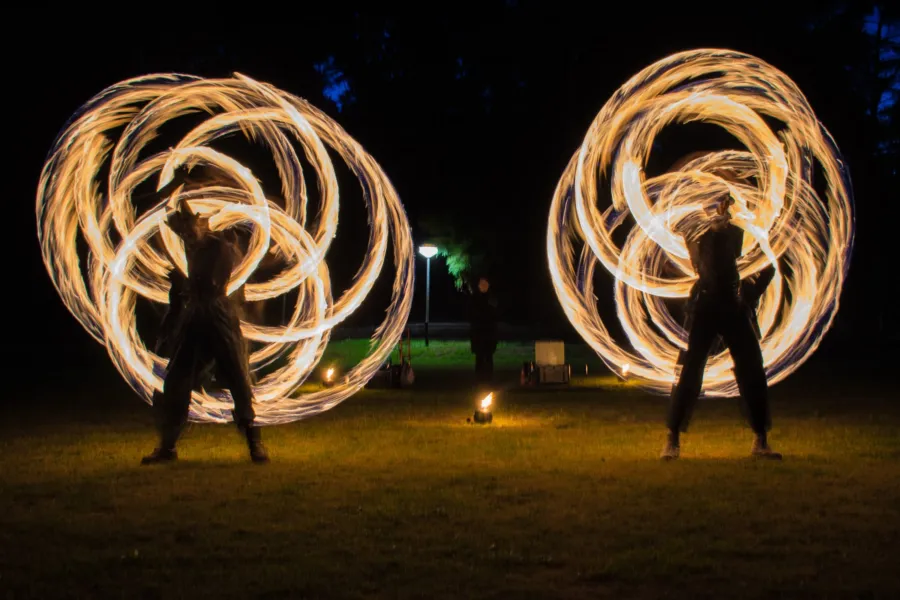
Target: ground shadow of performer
{"points": [[720, 305], [202, 331]]}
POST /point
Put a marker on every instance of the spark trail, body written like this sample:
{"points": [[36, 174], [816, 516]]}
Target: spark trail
{"points": [[129, 253], [805, 234]]}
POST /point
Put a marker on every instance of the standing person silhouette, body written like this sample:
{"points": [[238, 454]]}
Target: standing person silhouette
{"points": [[717, 308], [483, 330], [208, 329]]}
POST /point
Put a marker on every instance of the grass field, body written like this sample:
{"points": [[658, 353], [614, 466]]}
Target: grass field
{"points": [[453, 355], [393, 494]]}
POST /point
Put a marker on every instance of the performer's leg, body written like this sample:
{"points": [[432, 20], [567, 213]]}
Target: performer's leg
{"points": [[231, 359], [235, 373], [750, 373], [684, 396], [480, 365], [157, 402], [175, 399], [246, 359], [158, 408]]}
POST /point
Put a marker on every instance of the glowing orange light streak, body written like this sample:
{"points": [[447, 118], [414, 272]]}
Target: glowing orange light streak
{"points": [[123, 264], [806, 233]]}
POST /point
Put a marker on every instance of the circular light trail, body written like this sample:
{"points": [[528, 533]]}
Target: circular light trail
{"points": [[793, 200], [86, 194]]}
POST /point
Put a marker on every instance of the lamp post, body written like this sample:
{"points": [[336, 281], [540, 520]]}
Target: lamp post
{"points": [[427, 250]]}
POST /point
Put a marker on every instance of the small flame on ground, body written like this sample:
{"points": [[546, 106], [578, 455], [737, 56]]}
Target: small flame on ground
{"points": [[625, 368], [329, 374], [487, 401]]}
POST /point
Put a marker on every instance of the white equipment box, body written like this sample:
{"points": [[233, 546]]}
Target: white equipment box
{"points": [[549, 353], [550, 362]]}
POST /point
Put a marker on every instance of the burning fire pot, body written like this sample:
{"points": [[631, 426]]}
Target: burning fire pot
{"points": [[484, 414]]}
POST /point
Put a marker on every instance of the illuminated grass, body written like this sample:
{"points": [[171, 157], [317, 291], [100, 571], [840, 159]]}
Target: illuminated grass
{"points": [[446, 354], [393, 494]]}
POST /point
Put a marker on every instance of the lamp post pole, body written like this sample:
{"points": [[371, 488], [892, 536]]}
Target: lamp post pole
{"points": [[427, 250], [427, 296]]}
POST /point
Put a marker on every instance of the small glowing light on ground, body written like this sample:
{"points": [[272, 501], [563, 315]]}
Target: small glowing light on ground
{"points": [[328, 380], [484, 413], [625, 368]]}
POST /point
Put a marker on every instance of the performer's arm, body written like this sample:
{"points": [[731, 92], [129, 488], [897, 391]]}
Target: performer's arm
{"points": [[693, 251], [738, 241], [173, 311], [183, 221], [755, 286]]}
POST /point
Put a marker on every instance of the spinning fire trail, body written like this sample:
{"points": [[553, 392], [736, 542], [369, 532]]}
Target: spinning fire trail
{"points": [[805, 234], [126, 257]]}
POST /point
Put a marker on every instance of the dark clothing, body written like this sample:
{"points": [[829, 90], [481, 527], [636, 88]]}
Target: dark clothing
{"points": [[210, 262], [483, 332], [208, 331], [238, 300], [484, 366], [168, 332], [752, 290], [728, 317], [716, 307], [714, 255], [177, 299], [168, 329], [483, 323]]}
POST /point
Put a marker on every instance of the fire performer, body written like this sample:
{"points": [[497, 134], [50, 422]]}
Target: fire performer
{"points": [[721, 305], [208, 329]]}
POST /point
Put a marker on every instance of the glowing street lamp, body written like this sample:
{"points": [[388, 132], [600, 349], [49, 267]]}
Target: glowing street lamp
{"points": [[427, 250], [483, 413]]}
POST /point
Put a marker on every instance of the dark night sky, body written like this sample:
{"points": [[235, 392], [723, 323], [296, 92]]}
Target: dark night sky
{"points": [[472, 109]]}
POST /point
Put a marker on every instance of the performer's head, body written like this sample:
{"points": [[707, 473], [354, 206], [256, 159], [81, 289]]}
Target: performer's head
{"points": [[186, 224], [724, 205]]}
